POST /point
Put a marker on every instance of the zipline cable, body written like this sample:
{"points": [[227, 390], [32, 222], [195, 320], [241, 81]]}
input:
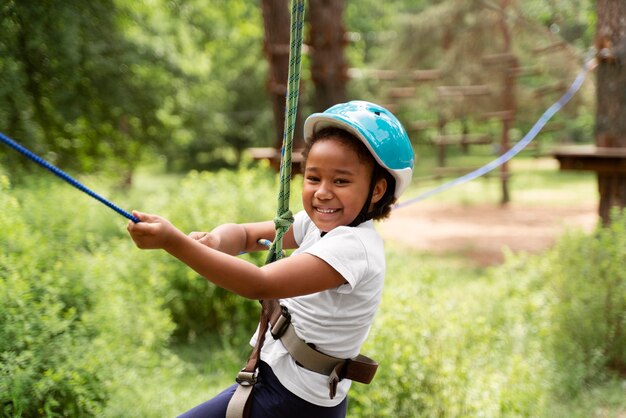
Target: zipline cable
{"points": [[60, 173], [588, 65]]}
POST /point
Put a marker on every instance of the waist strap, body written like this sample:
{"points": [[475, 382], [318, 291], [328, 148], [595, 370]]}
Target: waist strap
{"points": [[360, 368], [278, 320]]}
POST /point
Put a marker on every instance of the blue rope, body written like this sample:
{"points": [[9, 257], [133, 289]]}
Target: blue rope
{"points": [[8, 141], [532, 133]]}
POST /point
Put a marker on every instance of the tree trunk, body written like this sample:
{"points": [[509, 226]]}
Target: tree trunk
{"points": [[327, 43], [277, 24], [508, 102], [610, 129]]}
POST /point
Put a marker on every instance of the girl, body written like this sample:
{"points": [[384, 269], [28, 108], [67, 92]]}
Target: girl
{"points": [[358, 160]]}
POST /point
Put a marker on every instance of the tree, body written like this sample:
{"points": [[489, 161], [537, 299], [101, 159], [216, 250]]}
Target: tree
{"points": [[327, 41], [276, 19], [103, 84], [219, 107], [611, 98], [70, 85]]}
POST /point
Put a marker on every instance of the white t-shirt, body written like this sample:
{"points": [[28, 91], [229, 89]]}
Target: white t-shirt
{"points": [[338, 320]]}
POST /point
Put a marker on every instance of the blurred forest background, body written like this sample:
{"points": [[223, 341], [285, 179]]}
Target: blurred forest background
{"points": [[155, 104], [112, 85]]}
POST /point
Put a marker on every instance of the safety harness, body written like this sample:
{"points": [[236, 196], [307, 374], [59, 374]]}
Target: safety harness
{"points": [[277, 319]]}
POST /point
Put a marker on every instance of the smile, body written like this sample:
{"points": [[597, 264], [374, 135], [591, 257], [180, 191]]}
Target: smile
{"points": [[326, 211]]}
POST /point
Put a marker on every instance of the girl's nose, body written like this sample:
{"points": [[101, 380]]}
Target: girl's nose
{"points": [[323, 192]]}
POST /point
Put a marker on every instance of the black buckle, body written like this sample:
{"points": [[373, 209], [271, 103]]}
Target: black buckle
{"points": [[245, 378], [282, 323]]}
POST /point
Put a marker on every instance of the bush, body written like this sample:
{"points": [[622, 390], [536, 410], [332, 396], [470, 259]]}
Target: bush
{"points": [[76, 314], [200, 202], [588, 281], [502, 342], [83, 324], [83, 313], [453, 345]]}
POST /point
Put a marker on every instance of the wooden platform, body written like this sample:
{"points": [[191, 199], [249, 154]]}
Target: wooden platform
{"points": [[591, 158], [273, 156]]}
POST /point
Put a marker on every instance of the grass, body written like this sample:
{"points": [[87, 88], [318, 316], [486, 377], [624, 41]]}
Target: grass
{"points": [[188, 375], [212, 365], [604, 401]]}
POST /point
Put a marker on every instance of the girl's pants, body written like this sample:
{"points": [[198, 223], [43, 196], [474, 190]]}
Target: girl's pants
{"points": [[270, 399]]}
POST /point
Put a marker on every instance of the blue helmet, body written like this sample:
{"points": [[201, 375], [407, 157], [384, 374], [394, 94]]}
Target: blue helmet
{"points": [[378, 129]]}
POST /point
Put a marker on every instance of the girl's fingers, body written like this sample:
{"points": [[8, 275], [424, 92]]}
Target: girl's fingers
{"points": [[197, 235]]}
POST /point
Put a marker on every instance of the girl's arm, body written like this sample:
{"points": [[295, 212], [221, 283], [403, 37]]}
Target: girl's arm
{"points": [[293, 276], [234, 239]]}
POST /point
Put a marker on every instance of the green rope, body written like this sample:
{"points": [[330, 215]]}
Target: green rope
{"points": [[284, 217]]}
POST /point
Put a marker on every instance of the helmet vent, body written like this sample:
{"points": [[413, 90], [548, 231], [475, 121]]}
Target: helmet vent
{"points": [[377, 113]]}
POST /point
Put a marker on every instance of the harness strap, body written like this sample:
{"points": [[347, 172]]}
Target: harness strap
{"points": [[277, 319], [239, 405], [360, 368]]}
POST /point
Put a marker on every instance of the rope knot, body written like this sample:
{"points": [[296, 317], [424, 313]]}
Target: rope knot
{"points": [[284, 220]]}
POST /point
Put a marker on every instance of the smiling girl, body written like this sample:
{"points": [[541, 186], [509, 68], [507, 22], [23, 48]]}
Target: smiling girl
{"points": [[358, 161]]}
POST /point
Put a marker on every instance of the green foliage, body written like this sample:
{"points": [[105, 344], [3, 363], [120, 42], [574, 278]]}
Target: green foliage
{"points": [[588, 281], [218, 105], [455, 37], [199, 202], [71, 88], [515, 341], [86, 319], [371, 24], [454, 343], [76, 314], [574, 20], [101, 85]]}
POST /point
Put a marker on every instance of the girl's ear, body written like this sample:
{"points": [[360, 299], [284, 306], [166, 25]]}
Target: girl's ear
{"points": [[379, 190]]}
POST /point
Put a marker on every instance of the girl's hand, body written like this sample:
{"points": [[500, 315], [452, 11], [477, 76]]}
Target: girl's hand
{"points": [[206, 238], [153, 232]]}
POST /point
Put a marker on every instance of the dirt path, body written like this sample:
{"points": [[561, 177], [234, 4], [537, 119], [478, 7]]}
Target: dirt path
{"points": [[481, 232]]}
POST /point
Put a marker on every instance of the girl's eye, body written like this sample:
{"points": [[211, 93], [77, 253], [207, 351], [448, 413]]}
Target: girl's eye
{"points": [[312, 179], [341, 181]]}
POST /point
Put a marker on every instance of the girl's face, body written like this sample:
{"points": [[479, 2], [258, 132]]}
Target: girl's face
{"points": [[336, 184]]}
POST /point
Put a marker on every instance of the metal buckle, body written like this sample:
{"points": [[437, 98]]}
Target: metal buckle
{"points": [[245, 378], [282, 323]]}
